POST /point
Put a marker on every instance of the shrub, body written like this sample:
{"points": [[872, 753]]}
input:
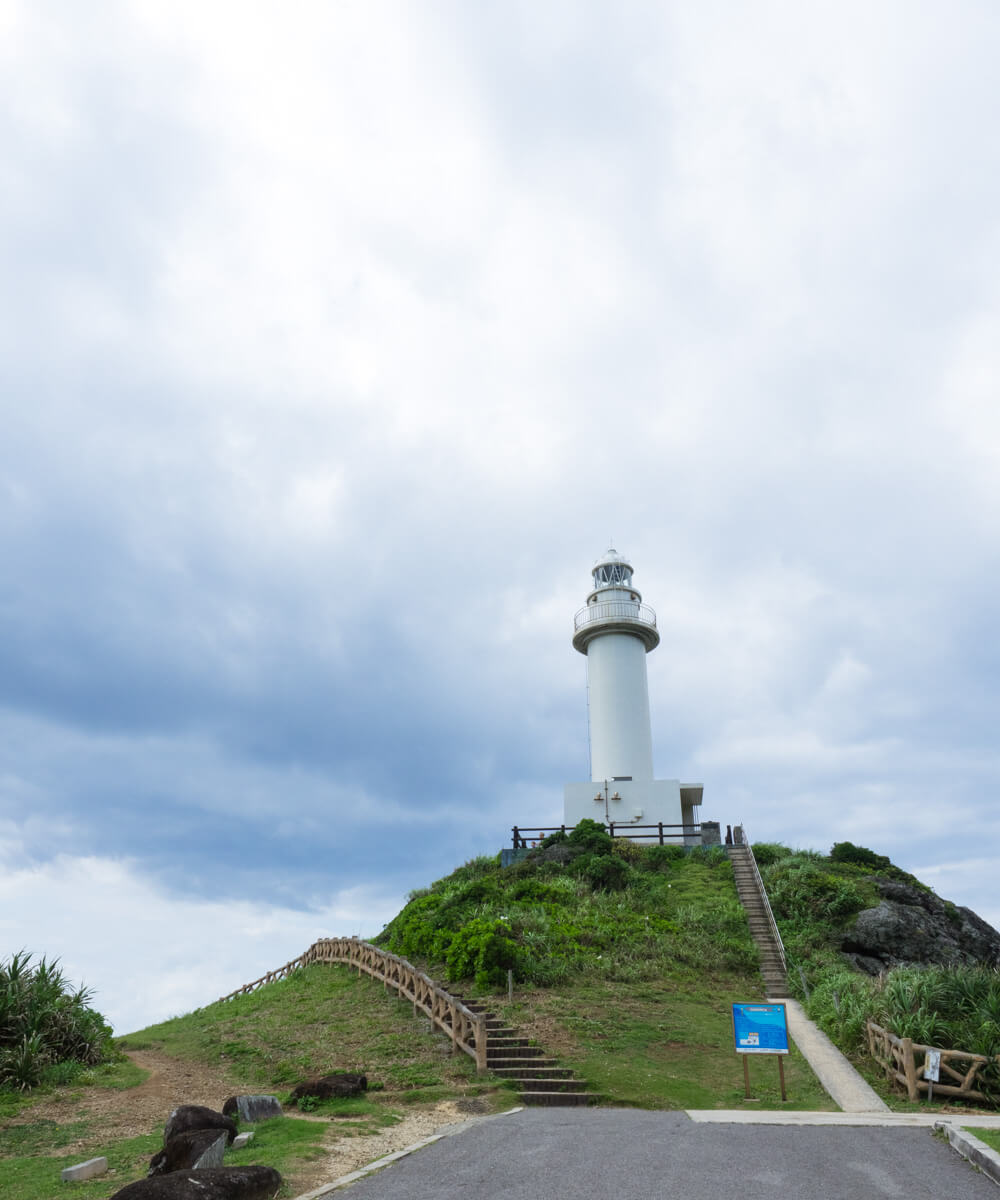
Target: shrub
{"points": [[605, 873], [847, 852], [627, 850], [659, 858], [484, 949], [767, 853], [590, 837]]}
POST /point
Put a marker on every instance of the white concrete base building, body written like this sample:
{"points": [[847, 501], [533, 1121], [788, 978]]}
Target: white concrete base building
{"points": [[616, 631]]}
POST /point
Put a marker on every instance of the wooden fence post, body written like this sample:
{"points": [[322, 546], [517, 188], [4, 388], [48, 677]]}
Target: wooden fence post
{"points": [[909, 1069], [480, 1020]]}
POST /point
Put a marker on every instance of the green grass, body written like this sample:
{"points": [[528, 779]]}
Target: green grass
{"points": [[666, 1044], [35, 1176], [32, 1172], [323, 1018], [990, 1136]]}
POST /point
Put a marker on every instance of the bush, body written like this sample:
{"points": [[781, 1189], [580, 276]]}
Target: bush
{"points": [[861, 856], [483, 949], [590, 837], [660, 858], [768, 853], [605, 873], [627, 850]]}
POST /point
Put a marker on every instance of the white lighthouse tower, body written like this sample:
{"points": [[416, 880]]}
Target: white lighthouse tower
{"points": [[616, 631]]}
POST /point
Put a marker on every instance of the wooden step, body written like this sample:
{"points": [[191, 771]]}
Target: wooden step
{"points": [[559, 1099], [526, 1069], [505, 1066], [497, 1053], [549, 1083]]}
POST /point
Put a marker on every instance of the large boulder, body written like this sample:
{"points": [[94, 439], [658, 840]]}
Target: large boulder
{"points": [[910, 925], [196, 1149], [197, 1116], [211, 1183], [252, 1108], [337, 1084]]}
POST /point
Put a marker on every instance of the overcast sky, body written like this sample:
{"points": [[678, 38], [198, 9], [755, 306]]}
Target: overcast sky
{"points": [[338, 340]]}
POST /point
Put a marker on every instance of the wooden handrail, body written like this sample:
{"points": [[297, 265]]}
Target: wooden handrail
{"points": [[466, 1029]]}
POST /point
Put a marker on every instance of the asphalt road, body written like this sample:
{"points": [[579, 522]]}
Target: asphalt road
{"points": [[622, 1154]]}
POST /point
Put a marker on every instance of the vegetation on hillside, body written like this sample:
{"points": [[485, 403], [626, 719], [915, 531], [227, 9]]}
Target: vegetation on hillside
{"points": [[48, 1031], [815, 898], [579, 903]]}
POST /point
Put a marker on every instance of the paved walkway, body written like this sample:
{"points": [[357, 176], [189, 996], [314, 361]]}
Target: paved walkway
{"points": [[590, 1154], [887, 1119], [844, 1085]]}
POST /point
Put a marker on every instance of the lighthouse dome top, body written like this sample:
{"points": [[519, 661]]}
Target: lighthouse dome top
{"points": [[612, 570], [614, 606]]}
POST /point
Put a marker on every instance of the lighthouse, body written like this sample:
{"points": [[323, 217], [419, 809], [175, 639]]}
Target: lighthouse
{"points": [[616, 631]]}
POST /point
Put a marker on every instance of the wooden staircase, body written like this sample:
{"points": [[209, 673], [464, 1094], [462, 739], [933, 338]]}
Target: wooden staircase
{"points": [[539, 1080], [754, 900]]}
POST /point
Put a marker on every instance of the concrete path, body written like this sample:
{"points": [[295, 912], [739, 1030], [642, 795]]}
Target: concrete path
{"points": [[844, 1085], [591, 1154], [887, 1119]]}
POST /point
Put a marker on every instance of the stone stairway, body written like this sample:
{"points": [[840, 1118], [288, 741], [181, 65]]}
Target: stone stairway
{"points": [[539, 1080], [755, 905]]}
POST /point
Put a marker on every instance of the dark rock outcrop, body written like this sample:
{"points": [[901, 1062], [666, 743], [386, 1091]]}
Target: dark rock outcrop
{"points": [[211, 1183], [197, 1148], [336, 1084], [197, 1116], [913, 926]]}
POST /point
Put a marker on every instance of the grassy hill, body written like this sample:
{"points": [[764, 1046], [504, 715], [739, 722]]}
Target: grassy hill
{"points": [[625, 961]]}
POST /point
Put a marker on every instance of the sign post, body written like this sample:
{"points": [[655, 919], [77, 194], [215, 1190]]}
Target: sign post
{"points": [[932, 1071], [761, 1029]]}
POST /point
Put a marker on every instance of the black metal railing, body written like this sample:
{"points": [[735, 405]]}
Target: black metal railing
{"points": [[526, 836]]}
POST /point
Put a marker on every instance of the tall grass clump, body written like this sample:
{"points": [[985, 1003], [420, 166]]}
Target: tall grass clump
{"points": [[45, 1025], [951, 1008]]}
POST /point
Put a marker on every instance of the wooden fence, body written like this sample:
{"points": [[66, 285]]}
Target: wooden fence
{"points": [[466, 1029], [898, 1058]]}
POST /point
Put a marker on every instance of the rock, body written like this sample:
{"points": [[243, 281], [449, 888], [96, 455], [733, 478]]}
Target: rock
{"points": [[336, 1084], [212, 1183], [85, 1170], [193, 1150], [243, 1139], [252, 1108], [196, 1116], [910, 925]]}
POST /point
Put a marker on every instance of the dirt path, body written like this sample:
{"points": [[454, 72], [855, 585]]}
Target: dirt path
{"points": [[116, 1115]]}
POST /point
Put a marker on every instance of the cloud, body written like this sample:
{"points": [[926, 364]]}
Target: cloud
{"points": [[334, 351], [148, 955]]}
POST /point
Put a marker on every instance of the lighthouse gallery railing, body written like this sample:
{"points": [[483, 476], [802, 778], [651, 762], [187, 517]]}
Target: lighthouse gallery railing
{"points": [[615, 610]]}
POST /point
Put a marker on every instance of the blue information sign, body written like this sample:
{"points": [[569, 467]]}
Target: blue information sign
{"points": [[760, 1029]]}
